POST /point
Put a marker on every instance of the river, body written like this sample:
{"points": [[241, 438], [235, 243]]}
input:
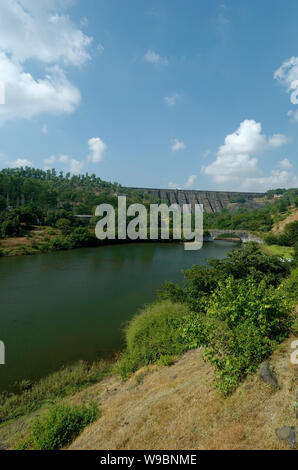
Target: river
{"points": [[60, 307]]}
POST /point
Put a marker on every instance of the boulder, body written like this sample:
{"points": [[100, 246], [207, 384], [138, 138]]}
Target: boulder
{"points": [[266, 374], [287, 433]]}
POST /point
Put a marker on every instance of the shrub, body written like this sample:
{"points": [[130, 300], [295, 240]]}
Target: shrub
{"points": [[243, 323], [59, 426], [153, 336], [201, 281]]}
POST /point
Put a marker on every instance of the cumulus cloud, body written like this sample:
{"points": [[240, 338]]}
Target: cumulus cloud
{"points": [[190, 182], [172, 99], [178, 145], [285, 164], [236, 163], [287, 75], [73, 166], [19, 162], [27, 97], [42, 32], [154, 58], [48, 162], [172, 185], [97, 149], [277, 179]]}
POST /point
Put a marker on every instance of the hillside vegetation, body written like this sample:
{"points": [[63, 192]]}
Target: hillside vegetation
{"points": [[39, 209]]}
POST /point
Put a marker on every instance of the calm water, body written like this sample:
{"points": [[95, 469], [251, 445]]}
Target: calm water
{"points": [[60, 307]]}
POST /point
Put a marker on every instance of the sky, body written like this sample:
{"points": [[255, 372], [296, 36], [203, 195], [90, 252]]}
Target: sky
{"points": [[188, 94]]}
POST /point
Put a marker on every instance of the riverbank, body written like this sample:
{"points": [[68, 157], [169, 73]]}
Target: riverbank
{"points": [[150, 364]]}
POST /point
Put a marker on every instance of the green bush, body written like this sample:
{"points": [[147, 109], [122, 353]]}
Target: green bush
{"points": [[201, 281], [154, 333], [59, 426], [243, 323]]}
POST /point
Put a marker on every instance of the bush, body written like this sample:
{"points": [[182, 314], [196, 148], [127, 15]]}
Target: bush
{"points": [[59, 426], [153, 334], [201, 281], [243, 323]]}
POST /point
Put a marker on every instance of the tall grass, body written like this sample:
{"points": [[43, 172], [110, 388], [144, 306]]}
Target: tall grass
{"points": [[52, 388], [58, 427]]}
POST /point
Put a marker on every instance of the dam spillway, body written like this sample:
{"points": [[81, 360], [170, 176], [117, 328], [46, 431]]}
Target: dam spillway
{"points": [[213, 201]]}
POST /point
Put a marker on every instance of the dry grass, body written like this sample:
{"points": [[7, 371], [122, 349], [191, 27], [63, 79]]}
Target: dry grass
{"points": [[178, 407], [279, 227]]}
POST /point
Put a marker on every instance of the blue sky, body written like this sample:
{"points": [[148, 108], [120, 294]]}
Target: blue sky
{"points": [[190, 94]]}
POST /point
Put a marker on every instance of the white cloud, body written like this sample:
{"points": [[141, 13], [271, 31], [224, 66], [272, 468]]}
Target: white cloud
{"points": [[20, 162], [172, 185], [178, 145], [49, 162], [236, 163], [287, 75], [27, 97], [100, 48], [44, 129], [277, 179], [39, 31], [63, 158], [74, 166], [277, 140], [155, 59], [293, 115], [97, 149], [172, 99], [285, 164], [190, 182]]}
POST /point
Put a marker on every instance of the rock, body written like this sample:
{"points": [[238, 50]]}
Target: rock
{"points": [[266, 374], [287, 433]]}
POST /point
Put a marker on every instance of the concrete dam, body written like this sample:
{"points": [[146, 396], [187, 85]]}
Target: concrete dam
{"points": [[213, 201]]}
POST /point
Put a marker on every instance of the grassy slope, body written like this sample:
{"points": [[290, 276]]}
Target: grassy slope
{"points": [[282, 251], [279, 227], [178, 407]]}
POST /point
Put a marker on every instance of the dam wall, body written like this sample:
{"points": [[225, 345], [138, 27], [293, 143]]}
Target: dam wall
{"points": [[213, 201]]}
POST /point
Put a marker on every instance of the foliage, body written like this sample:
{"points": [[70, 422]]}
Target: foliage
{"points": [[243, 323], [153, 336], [51, 388], [258, 219], [288, 238], [59, 426], [201, 281]]}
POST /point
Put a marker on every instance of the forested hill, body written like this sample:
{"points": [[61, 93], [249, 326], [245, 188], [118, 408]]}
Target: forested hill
{"points": [[31, 197], [49, 190]]}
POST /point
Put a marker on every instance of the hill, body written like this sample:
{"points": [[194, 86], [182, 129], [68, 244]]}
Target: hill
{"points": [[178, 407]]}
